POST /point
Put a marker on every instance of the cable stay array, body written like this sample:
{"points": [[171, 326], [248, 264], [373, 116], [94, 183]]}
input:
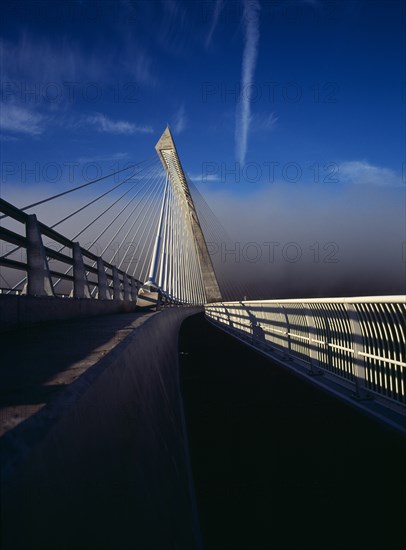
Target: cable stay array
{"points": [[175, 267], [218, 241], [146, 220]]}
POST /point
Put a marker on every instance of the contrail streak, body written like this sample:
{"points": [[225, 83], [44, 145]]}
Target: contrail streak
{"points": [[243, 115]]}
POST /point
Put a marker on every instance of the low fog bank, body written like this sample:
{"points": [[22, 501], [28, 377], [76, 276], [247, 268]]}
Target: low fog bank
{"points": [[289, 241], [282, 241]]}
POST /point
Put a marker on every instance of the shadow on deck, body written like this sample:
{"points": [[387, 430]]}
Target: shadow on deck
{"points": [[278, 463], [40, 361]]}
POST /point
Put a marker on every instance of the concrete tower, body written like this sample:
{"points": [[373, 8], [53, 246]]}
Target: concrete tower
{"points": [[168, 154]]}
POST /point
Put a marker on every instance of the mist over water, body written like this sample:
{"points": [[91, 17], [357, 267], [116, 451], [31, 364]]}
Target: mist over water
{"points": [[292, 241], [282, 240]]}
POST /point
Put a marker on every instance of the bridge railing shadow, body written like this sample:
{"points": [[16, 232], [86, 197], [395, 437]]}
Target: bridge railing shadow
{"points": [[360, 342], [46, 364]]}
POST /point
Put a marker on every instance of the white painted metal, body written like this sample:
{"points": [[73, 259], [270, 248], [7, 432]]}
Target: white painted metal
{"points": [[156, 255], [360, 341]]}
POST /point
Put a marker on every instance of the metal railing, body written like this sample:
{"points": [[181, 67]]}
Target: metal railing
{"points": [[89, 275], [358, 342]]}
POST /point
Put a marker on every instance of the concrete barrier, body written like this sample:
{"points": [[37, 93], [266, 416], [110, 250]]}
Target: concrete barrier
{"points": [[113, 471], [18, 311]]}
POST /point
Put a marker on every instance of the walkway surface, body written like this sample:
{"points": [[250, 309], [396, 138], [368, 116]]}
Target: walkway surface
{"points": [[38, 362], [105, 464], [279, 464]]}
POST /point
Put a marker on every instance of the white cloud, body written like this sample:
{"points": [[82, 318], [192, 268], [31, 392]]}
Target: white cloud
{"points": [[203, 177], [218, 7], [29, 60], [263, 122], [137, 63], [104, 158], [21, 120], [33, 64], [243, 115], [173, 30], [180, 120], [8, 138], [107, 125], [363, 173], [143, 69]]}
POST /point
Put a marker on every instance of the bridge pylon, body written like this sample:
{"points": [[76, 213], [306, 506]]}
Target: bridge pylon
{"points": [[176, 178]]}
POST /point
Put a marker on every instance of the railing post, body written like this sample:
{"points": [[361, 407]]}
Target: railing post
{"points": [[358, 344], [102, 280], [80, 284], [134, 289], [287, 350], [314, 362], [126, 285], [39, 281], [116, 284]]}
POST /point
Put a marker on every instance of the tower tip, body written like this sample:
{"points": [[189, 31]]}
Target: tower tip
{"points": [[166, 140]]}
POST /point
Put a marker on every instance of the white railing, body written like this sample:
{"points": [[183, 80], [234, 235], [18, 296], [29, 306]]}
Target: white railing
{"points": [[73, 263], [358, 342]]}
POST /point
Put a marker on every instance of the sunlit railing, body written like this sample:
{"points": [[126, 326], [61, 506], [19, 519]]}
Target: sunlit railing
{"points": [[89, 275], [359, 342]]}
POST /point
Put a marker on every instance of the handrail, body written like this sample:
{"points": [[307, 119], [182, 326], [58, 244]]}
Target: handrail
{"points": [[396, 298], [357, 342], [39, 275]]}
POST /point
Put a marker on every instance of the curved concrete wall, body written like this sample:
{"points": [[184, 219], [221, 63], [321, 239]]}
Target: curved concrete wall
{"points": [[113, 471], [23, 310]]}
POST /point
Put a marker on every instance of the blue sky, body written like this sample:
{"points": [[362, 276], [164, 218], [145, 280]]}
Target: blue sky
{"points": [[296, 101], [322, 84]]}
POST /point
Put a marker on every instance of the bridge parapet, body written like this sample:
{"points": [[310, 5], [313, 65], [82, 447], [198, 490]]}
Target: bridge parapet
{"points": [[88, 275], [356, 344]]}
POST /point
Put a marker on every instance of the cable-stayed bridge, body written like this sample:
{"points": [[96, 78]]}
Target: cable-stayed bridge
{"points": [[137, 250], [153, 226]]}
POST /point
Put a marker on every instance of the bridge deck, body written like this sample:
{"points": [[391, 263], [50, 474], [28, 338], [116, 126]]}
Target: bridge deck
{"points": [[276, 462], [105, 465], [280, 464], [38, 362]]}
